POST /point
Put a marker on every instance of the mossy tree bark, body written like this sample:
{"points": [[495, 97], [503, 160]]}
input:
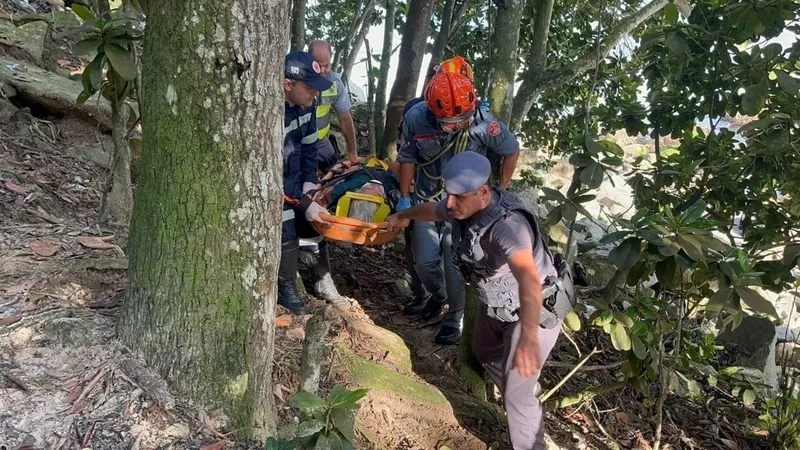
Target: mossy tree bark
{"points": [[206, 221], [298, 25], [505, 41], [118, 200], [380, 90]]}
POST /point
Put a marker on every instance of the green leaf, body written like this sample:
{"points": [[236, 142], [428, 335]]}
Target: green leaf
{"points": [[620, 339], [340, 397], [592, 146], [638, 347], [639, 329], [756, 302], [694, 212], [670, 14], [581, 159], [82, 98], [584, 198], [274, 444], [790, 254], [729, 370], [345, 422], [626, 254], [669, 246], [309, 427], [676, 43], [572, 321], [82, 12], [122, 61], [552, 194], [86, 46], [306, 400], [636, 273], [95, 69], [665, 272], [323, 443], [592, 175], [712, 381], [553, 217], [684, 262], [748, 397], [615, 161], [614, 237], [692, 248], [568, 211], [754, 98], [621, 318], [787, 82], [611, 147]]}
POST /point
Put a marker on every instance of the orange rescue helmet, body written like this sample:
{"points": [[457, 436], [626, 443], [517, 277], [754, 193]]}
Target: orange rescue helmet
{"points": [[459, 65], [451, 97]]}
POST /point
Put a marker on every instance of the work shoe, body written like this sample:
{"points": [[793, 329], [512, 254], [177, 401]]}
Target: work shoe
{"points": [[431, 310], [318, 262], [416, 307], [287, 281], [448, 336]]}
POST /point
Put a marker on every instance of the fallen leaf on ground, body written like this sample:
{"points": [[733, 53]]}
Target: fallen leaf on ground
{"points": [[297, 334], [74, 393], [14, 187], [9, 320], [278, 393], [43, 248], [94, 242], [214, 446], [622, 417], [283, 321], [64, 62]]}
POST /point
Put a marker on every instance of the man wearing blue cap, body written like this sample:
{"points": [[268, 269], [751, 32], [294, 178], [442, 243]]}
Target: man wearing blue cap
{"points": [[447, 123], [504, 256], [302, 83]]}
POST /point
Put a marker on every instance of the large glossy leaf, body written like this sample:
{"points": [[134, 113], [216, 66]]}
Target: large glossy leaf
{"points": [[122, 60], [665, 272], [670, 14], [86, 46], [612, 161], [756, 302], [592, 146], [309, 427], [323, 443], [306, 400], [638, 347], [581, 159], [619, 338], [611, 147], [95, 69], [636, 273], [754, 98], [553, 194], [82, 12], [621, 318], [572, 321], [340, 397], [592, 175], [626, 254], [669, 246], [694, 212], [676, 43], [692, 248], [614, 237], [787, 82], [345, 422], [553, 216], [568, 211]]}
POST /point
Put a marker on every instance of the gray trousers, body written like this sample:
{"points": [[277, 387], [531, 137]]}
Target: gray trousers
{"points": [[494, 343], [433, 257]]}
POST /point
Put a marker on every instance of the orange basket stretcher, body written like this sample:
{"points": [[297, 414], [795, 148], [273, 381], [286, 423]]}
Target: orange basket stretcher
{"points": [[354, 231]]}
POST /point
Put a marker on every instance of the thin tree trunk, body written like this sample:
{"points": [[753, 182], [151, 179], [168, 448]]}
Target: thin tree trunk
{"points": [[370, 99], [505, 41], [206, 222], [342, 53], [533, 83], [118, 202], [541, 32], [412, 50], [440, 43], [380, 90], [359, 41], [298, 39]]}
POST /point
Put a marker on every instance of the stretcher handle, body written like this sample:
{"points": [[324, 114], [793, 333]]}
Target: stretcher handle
{"points": [[353, 222]]}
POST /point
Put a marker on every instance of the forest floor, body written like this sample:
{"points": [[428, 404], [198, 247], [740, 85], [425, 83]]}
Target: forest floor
{"points": [[67, 383]]}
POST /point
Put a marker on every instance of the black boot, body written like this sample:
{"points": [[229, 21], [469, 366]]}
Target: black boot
{"points": [[287, 281], [319, 264], [448, 336], [431, 310], [416, 307]]}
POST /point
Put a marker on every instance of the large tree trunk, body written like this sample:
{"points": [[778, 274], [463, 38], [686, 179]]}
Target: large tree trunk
{"points": [[412, 50], [534, 83], [443, 36], [298, 39], [206, 222], [505, 41], [380, 90]]}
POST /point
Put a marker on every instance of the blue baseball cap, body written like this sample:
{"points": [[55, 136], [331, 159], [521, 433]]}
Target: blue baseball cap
{"points": [[466, 172], [301, 66]]}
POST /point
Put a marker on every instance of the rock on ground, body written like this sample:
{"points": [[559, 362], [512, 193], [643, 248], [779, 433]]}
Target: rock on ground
{"points": [[25, 42]]}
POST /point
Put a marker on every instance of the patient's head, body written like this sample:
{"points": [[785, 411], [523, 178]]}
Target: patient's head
{"points": [[364, 210]]}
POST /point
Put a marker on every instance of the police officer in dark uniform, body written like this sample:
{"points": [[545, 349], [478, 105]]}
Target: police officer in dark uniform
{"points": [[302, 83], [524, 291]]}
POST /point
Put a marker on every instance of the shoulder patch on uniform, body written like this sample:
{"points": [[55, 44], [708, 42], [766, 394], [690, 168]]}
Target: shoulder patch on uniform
{"points": [[494, 128]]}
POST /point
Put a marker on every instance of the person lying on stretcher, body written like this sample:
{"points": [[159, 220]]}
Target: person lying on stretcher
{"points": [[365, 192]]}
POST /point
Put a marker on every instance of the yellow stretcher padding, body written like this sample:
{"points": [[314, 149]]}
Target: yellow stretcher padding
{"points": [[343, 206]]}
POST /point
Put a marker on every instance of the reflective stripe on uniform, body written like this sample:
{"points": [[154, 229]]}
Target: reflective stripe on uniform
{"points": [[310, 139], [288, 214], [327, 99], [310, 241], [295, 124]]}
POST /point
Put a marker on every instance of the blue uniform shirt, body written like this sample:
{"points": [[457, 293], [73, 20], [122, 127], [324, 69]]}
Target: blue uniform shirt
{"points": [[421, 139], [299, 149]]}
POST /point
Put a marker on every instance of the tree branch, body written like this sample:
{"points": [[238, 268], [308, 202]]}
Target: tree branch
{"points": [[535, 83]]}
